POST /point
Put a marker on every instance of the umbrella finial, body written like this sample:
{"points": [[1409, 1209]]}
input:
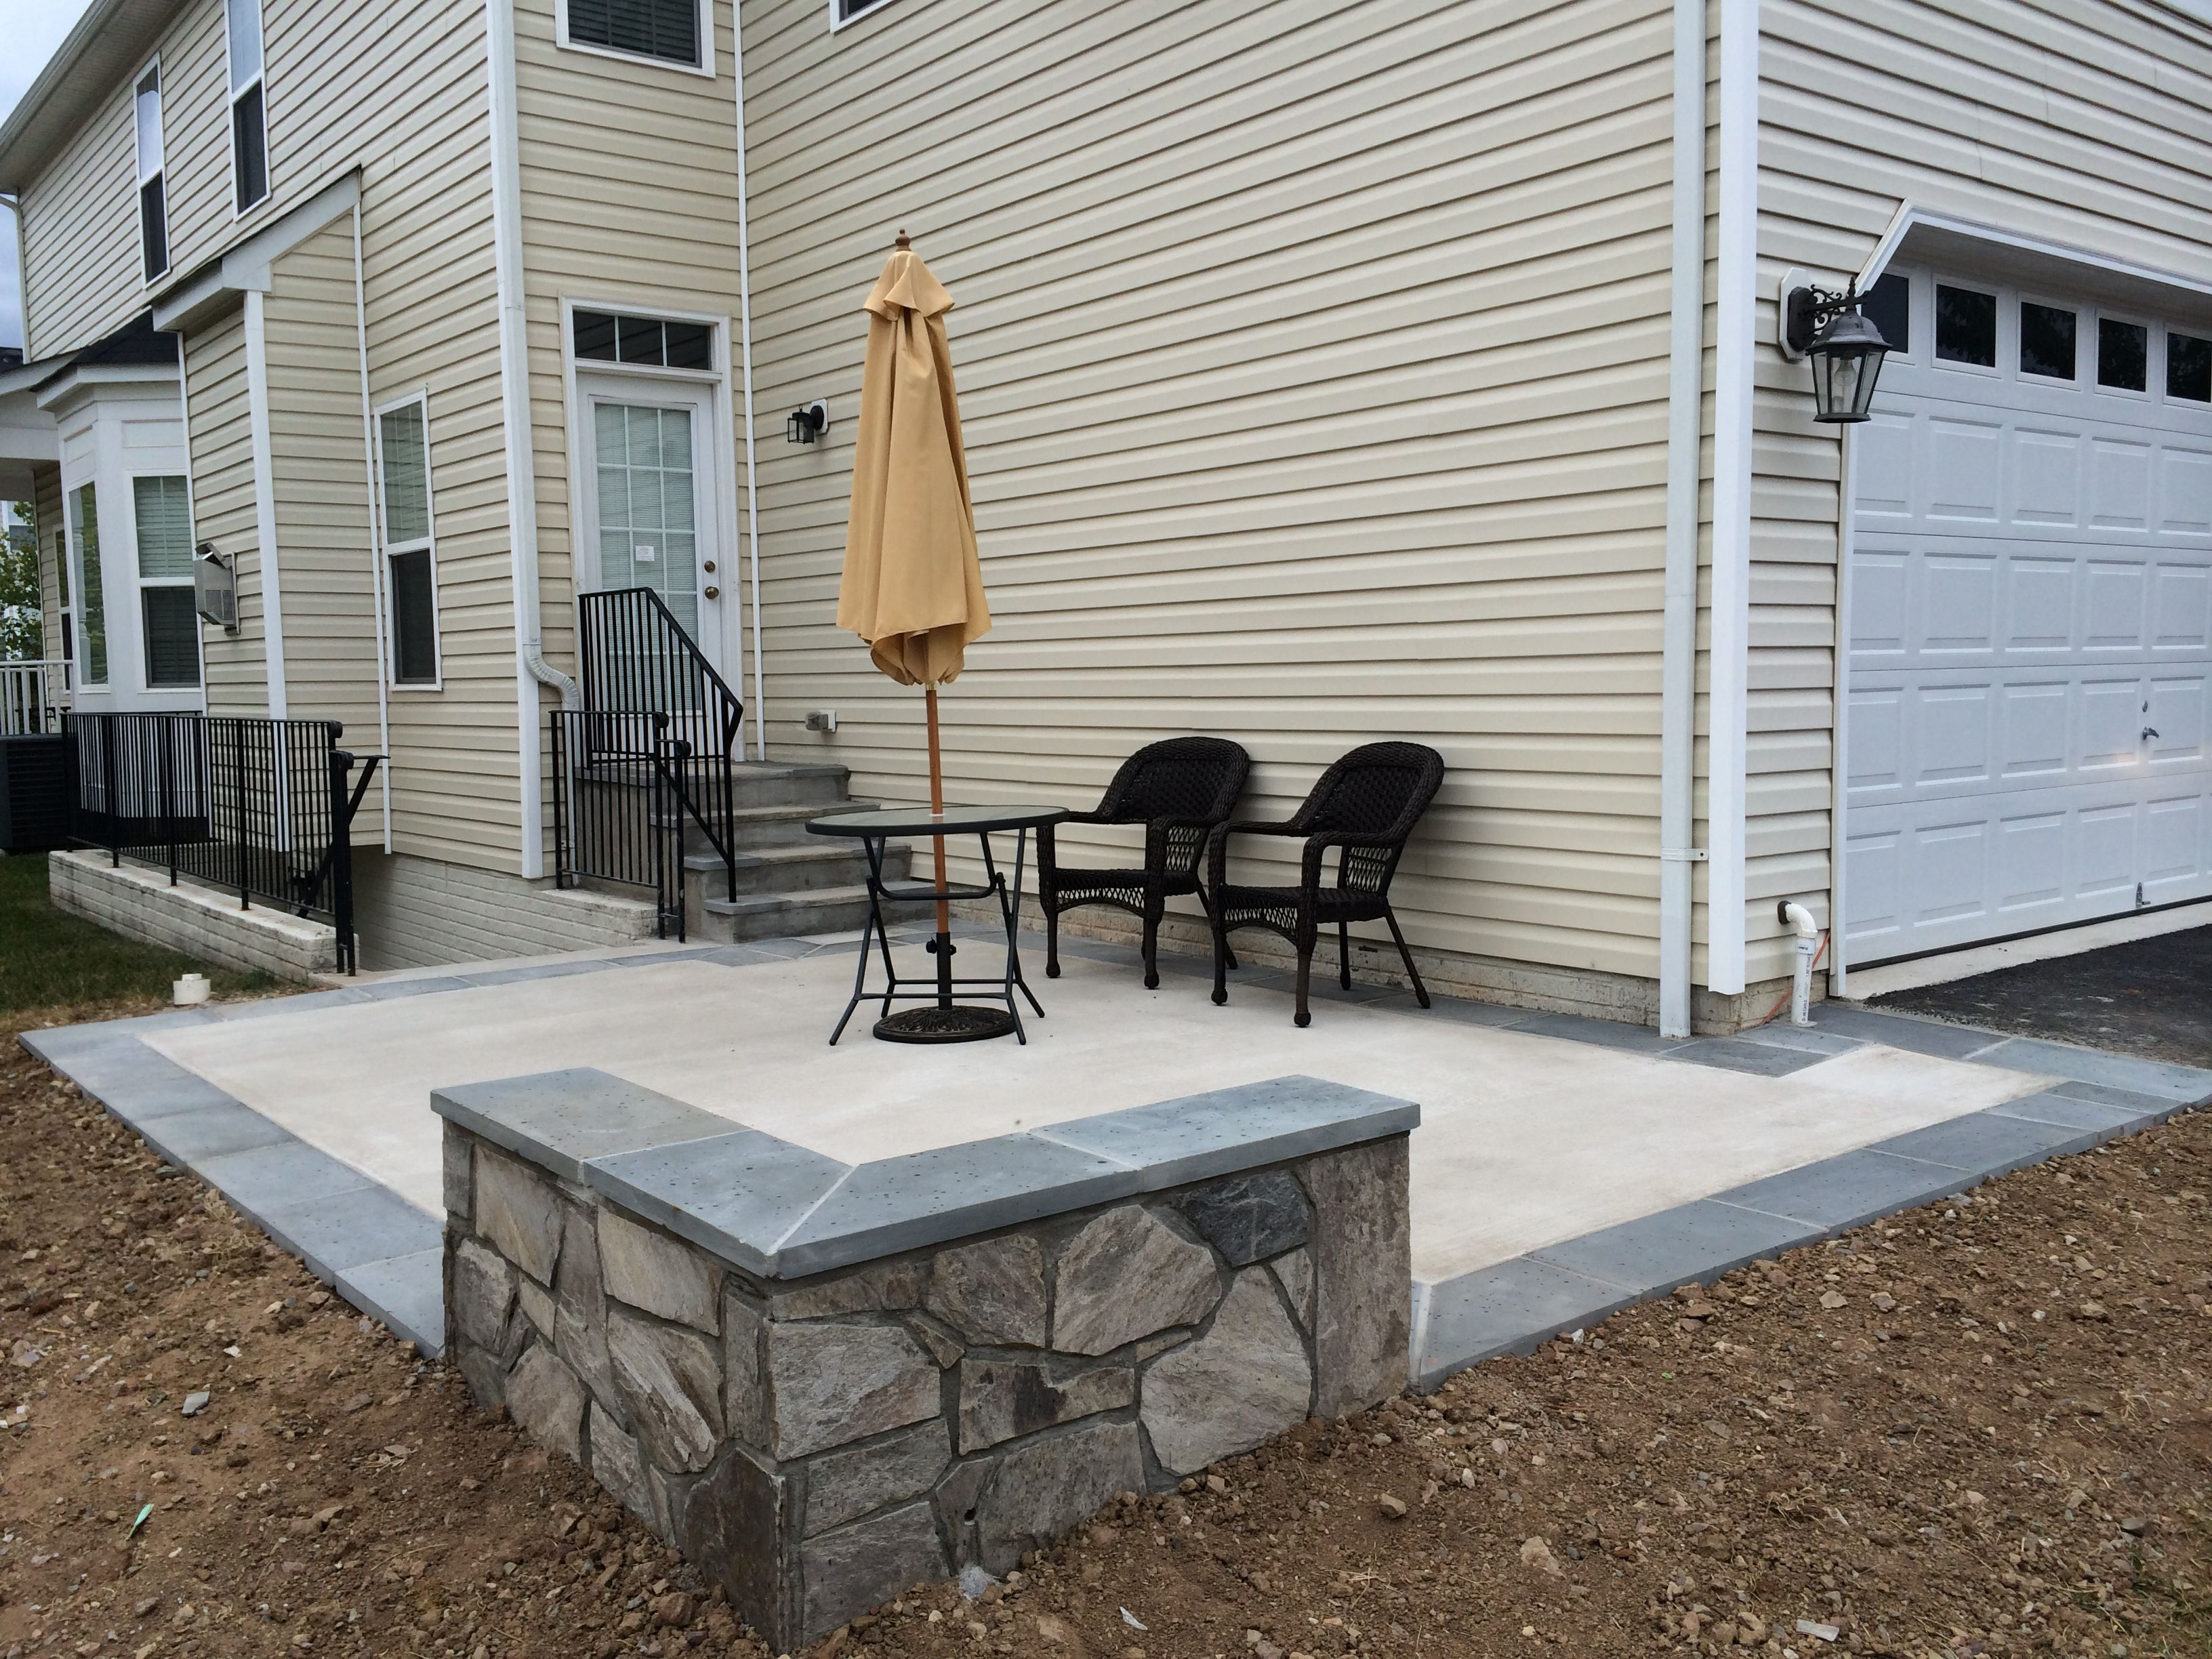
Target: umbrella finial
{"points": [[902, 243]]}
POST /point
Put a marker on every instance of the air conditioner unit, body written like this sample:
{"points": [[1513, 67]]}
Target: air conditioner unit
{"points": [[215, 588]]}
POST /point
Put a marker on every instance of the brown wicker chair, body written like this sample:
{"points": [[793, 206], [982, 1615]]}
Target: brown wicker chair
{"points": [[1366, 805], [1179, 790]]}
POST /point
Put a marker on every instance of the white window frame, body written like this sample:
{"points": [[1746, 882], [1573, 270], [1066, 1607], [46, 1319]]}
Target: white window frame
{"points": [[161, 171], [2167, 331], [260, 79], [140, 581], [705, 67], [427, 543], [868, 10]]}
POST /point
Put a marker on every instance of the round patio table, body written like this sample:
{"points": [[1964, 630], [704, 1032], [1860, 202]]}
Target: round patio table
{"points": [[940, 1019]]}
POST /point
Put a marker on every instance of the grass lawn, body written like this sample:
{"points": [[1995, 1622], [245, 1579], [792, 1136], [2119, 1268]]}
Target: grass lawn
{"points": [[49, 960]]}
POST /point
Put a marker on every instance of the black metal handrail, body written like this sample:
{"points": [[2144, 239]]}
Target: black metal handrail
{"points": [[653, 747], [263, 808]]}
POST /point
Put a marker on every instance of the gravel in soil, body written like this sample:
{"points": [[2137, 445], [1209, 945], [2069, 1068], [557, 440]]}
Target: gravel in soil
{"points": [[1979, 1428]]}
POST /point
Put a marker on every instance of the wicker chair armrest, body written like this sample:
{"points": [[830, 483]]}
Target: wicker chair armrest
{"points": [[1216, 843], [1317, 847]]}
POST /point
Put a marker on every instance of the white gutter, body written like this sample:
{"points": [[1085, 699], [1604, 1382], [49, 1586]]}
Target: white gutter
{"points": [[745, 347], [532, 668], [1686, 357], [1736, 316]]}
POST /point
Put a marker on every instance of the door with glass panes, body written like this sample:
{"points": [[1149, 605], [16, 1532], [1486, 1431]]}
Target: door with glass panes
{"points": [[648, 511]]}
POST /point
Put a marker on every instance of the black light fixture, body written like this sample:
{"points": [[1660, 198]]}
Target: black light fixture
{"points": [[1843, 344], [807, 423]]}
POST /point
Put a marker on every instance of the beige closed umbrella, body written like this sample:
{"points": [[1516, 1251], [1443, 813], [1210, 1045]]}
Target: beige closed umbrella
{"points": [[913, 586]]}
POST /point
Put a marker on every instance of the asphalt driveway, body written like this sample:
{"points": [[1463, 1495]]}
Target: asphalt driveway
{"points": [[2152, 997]]}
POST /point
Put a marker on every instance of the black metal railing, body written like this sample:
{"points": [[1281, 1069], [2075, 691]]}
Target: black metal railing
{"points": [[652, 750], [263, 808]]}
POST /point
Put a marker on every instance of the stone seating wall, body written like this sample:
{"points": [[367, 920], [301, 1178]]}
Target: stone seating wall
{"points": [[817, 1440]]}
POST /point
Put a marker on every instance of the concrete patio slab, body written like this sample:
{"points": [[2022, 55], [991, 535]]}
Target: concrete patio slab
{"points": [[1563, 1165]]}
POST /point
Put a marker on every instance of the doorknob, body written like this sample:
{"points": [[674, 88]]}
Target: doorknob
{"points": [[713, 592]]}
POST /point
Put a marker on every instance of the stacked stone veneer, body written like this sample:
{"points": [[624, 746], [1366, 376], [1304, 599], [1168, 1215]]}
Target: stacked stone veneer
{"points": [[817, 1440]]}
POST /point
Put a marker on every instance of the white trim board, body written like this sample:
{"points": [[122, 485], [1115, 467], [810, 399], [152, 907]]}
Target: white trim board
{"points": [[264, 503], [1979, 959]]}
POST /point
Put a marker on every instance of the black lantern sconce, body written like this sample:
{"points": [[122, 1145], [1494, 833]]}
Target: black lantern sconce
{"points": [[1845, 348], [807, 423]]}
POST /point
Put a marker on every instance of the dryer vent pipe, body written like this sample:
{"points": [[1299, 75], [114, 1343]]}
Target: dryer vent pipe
{"points": [[1795, 917]]}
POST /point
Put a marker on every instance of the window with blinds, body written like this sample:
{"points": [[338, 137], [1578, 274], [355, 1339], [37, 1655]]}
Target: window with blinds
{"points": [[666, 30], [162, 513], [153, 193], [402, 459]]}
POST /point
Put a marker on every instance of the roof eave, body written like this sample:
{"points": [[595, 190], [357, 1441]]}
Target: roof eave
{"points": [[107, 45]]}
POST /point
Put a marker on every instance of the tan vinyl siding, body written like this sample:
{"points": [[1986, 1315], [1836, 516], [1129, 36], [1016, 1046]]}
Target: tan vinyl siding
{"points": [[2084, 123], [319, 482], [399, 91], [618, 156], [1312, 363], [433, 326], [218, 415]]}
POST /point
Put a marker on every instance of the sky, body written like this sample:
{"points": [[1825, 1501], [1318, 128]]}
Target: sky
{"points": [[32, 29]]}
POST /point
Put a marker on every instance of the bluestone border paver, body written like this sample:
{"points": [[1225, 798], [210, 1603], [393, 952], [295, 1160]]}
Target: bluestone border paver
{"points": [[1984, 1144], [1736, 1055], [1510, 1307], [1691, 1242], [1849, 1190]]}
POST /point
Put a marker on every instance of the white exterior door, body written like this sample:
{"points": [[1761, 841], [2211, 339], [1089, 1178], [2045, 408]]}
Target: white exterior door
{"points": [[649, 512], [2029, 621]]}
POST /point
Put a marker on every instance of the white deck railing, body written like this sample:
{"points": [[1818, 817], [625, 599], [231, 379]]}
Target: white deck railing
{"points": [[32, 695]]}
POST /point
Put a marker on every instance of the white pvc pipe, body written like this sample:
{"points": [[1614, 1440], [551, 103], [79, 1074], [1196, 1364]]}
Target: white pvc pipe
{"points": [[745, 349], [1799, 920], [1678, 737]]}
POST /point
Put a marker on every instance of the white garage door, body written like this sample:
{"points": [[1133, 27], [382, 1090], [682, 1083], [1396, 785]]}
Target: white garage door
{"points": [[2029, 624]]}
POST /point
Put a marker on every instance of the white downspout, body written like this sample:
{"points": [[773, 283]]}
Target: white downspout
{"points": [[1735, 360], [514, 409], [745, 349], [1678, 710]]}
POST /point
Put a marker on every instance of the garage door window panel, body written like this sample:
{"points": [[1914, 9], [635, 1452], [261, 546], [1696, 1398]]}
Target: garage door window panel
{"points": [[2123, 355], [2047, 335], [1966, 326], [2188, 368]]}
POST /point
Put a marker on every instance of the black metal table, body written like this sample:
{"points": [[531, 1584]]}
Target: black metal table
{"points": [[942, 1020]]}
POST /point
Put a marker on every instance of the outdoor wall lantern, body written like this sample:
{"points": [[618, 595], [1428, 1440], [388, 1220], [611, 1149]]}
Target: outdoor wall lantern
{"points": [[807, 423], [1844, 346]]}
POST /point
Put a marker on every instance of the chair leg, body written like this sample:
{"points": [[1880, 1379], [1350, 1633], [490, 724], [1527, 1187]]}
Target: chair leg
{"points": [[1152, 946], [1220, 959], [1205, 904], [1051, 943], [1420, 991], [1304, 1016], [1344, 954]]}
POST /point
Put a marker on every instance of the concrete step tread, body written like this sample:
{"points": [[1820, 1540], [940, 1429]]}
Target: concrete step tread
{"points": [[789, 855], [752, 904]]}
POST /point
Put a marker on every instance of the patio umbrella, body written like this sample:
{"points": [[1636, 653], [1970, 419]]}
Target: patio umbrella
{"points": [[913, 586]]}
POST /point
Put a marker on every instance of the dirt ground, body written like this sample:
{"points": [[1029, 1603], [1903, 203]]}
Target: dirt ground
{"points": [[2150, 998], [1975, 1430]]}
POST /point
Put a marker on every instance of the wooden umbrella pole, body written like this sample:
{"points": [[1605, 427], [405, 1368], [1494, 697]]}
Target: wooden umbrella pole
{"points": [[937, 842]]}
